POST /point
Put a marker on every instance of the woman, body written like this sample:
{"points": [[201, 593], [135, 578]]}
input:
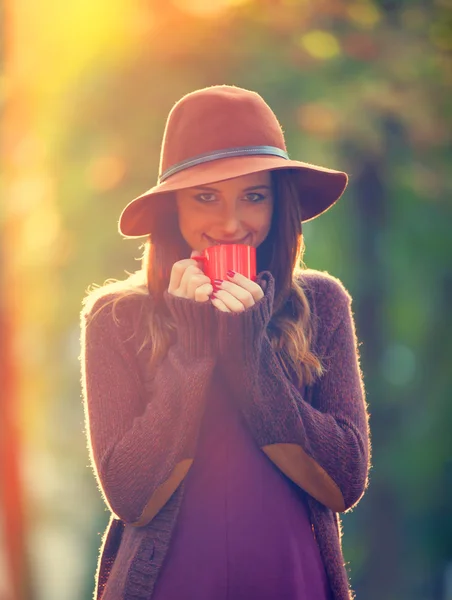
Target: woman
{"points": [[227, 422]]}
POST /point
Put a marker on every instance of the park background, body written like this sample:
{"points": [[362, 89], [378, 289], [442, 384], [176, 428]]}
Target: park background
{"points": [[360, 85]]}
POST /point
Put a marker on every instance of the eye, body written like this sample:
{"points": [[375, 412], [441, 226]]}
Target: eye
{"points": [[254, 197], [206, 197]]}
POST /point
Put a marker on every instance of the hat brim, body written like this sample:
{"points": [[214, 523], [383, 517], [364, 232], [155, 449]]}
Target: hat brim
{"points": [[320, 188]]}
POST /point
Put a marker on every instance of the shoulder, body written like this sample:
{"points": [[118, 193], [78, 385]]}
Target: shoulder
{"points": [[117, 302], [329, 298], [324, 286]]}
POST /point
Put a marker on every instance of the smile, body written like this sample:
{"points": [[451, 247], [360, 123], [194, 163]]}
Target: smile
{"points": [[218, 242]]}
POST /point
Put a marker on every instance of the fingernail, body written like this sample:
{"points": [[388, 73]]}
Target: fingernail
{"points": [[217, 282], [212, 296], [230, 273]]}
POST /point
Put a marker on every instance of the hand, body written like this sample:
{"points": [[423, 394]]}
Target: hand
{"points": [[236, 294], [187, 280]]}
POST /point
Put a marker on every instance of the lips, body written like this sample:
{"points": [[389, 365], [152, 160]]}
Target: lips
{"points": [[215, 242]]}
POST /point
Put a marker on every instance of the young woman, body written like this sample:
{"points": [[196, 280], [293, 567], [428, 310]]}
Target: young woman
{"points": [[226, 421]]}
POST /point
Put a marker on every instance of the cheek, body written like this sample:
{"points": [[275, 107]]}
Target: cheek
{"points": [[190, 222]]}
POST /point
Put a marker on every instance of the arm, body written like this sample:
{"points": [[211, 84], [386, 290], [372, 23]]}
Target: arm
{"points": [[142, 444], [323, 447]]}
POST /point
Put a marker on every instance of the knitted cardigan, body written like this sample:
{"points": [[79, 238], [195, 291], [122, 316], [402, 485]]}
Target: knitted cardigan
{"points": [[141, 424]]}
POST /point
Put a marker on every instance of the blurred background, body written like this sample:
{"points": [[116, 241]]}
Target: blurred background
{"points": [[359, 85]]}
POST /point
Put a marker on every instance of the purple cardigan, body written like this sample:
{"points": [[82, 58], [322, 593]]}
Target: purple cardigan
{"points": [[141, 424]]}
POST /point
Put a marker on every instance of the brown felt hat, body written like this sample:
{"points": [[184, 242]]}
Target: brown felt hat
{"points": [[218, 133]]}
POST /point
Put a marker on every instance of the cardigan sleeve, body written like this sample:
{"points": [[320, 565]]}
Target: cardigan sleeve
{"points": [[333, 431], [137, 437]]}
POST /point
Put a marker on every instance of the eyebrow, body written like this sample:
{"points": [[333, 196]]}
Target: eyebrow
{"points": [[248, 189]]}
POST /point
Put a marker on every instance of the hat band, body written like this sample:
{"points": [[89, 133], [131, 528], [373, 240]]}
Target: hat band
{"points": [[208, 156]]}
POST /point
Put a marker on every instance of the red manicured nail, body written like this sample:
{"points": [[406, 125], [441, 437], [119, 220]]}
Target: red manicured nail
{"points": [[230, 273], [217, 282], [212, 296]]}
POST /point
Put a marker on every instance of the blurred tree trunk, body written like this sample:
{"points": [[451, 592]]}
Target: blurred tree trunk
{"points": [[11, 497], [13, 290], [380, 514]]}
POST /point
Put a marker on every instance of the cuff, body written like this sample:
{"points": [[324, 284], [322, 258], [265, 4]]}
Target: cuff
{"points": [[240, 334], [196, 325]]}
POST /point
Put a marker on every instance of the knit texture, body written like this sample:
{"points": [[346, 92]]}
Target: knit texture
{"points": [[334, 432], [140, 424]]}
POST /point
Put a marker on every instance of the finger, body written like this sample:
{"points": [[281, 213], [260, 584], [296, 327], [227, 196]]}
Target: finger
{"points": [[202, 292], [230, 301], [177, 272], [251, 286], [243, 295], [196, 280], [220, 305], [190, 272]]}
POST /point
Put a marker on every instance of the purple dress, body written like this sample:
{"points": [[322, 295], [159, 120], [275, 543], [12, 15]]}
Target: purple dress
{"points": [[243, 530]]}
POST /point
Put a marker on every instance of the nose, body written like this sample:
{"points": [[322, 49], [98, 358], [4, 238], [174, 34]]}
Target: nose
{"points": [[230, 217]]}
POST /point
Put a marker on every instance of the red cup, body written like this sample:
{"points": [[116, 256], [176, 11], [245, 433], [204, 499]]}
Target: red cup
{"points": [[218, 260]]}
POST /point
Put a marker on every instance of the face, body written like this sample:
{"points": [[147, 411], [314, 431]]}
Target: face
{"points": [[236, 211]]}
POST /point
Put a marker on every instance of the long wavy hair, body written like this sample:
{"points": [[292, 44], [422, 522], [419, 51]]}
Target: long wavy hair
{"points": [[290, 329]]}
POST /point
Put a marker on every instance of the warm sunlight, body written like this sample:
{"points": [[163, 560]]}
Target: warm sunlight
{"points": [[208, 8]]}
